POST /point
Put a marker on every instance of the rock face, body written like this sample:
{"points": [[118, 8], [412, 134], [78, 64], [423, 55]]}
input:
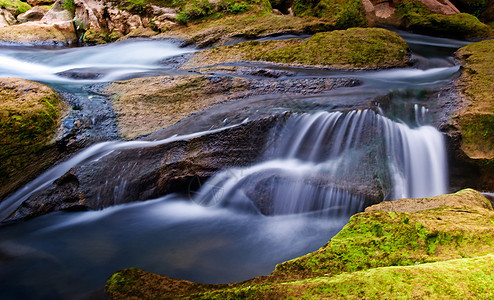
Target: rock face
{"points": [[440, 230], [172, 167], [355, 48], [30, 113]]}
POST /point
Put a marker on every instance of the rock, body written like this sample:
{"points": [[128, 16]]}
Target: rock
{"points": [[145, 105], [29, 116], [366, 259], [62, 33], [56, 27], [355, 48], [150, 172], [6, 18], [34, 14], [471, 128], [40, 2]]}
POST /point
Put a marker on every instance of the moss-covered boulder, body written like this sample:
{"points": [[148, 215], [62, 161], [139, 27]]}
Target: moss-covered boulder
{"points": [[355, 48], [17, 7], [407, 248], [474, 124], [249, 25], [29, 115]]}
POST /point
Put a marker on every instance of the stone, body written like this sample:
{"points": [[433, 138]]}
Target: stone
{"points": [[34, 14]]}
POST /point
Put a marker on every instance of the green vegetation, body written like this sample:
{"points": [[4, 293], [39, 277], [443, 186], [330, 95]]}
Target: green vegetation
{"points": [[344, 13], [410, 248], [29, 115], [353, 48], [476, 84], [419, 19], [96, 37], [68, 5], [21, 7], [199, 9]]}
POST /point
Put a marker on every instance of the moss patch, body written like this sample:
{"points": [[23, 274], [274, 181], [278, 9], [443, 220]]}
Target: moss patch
{"points": [[21, 7], [477, 87], [419, 19], [355, 48], [381, 253], [29, 115]]}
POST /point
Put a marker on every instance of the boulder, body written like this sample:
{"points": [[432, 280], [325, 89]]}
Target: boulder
{"points": [[29, 117], [411, 248], [150, 172], [34, 14], [56, 27], [6, 18], [355, 48]]}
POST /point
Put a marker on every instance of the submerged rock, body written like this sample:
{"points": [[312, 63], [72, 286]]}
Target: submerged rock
{"points": [[29, 116], [357, 261], [355, 48]]}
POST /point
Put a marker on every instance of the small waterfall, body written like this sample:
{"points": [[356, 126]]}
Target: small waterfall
{"points": [[335, 163]]}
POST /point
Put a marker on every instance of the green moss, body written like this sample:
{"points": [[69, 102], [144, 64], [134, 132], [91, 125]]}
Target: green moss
{"points": [[380, 254], [96, 37], [21, 7], [344, 13], [120, 281], [419, 19], [354, 48], [203, 9], [69, 5], [477, 86], [29, 115], [379, 238]]}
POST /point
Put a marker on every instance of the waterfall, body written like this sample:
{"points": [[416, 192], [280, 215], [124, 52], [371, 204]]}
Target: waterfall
{"points": [[335, 163]]}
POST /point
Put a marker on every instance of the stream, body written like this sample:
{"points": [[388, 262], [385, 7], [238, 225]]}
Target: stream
{"points": [[217, 234]]}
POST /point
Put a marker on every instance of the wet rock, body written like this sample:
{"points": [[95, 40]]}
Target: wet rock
{"points": [[149, 172], [30, 115], [145, 105], [34, 14], [6, 18]]}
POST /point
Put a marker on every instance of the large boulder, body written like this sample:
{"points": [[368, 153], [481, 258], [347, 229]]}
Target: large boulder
{"points": [[411, 248], [29, 116], [355, 48], [151, 171], [472, 127]]}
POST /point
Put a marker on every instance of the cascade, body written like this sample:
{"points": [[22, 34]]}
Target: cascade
{"points": [[333, 162]]}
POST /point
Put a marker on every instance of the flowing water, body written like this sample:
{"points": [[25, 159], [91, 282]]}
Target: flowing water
{"points": [[315, 174]]}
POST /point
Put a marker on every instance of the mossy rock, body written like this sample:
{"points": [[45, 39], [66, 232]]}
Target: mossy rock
{"points": [[477, 88], [21, 7], [423, 248], [355, 48], [419, 19], [29, 115], [249, 25]]}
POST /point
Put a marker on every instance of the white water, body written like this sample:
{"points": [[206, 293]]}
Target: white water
{"points": [[92, 153], [319, 162], [108, 62]]}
